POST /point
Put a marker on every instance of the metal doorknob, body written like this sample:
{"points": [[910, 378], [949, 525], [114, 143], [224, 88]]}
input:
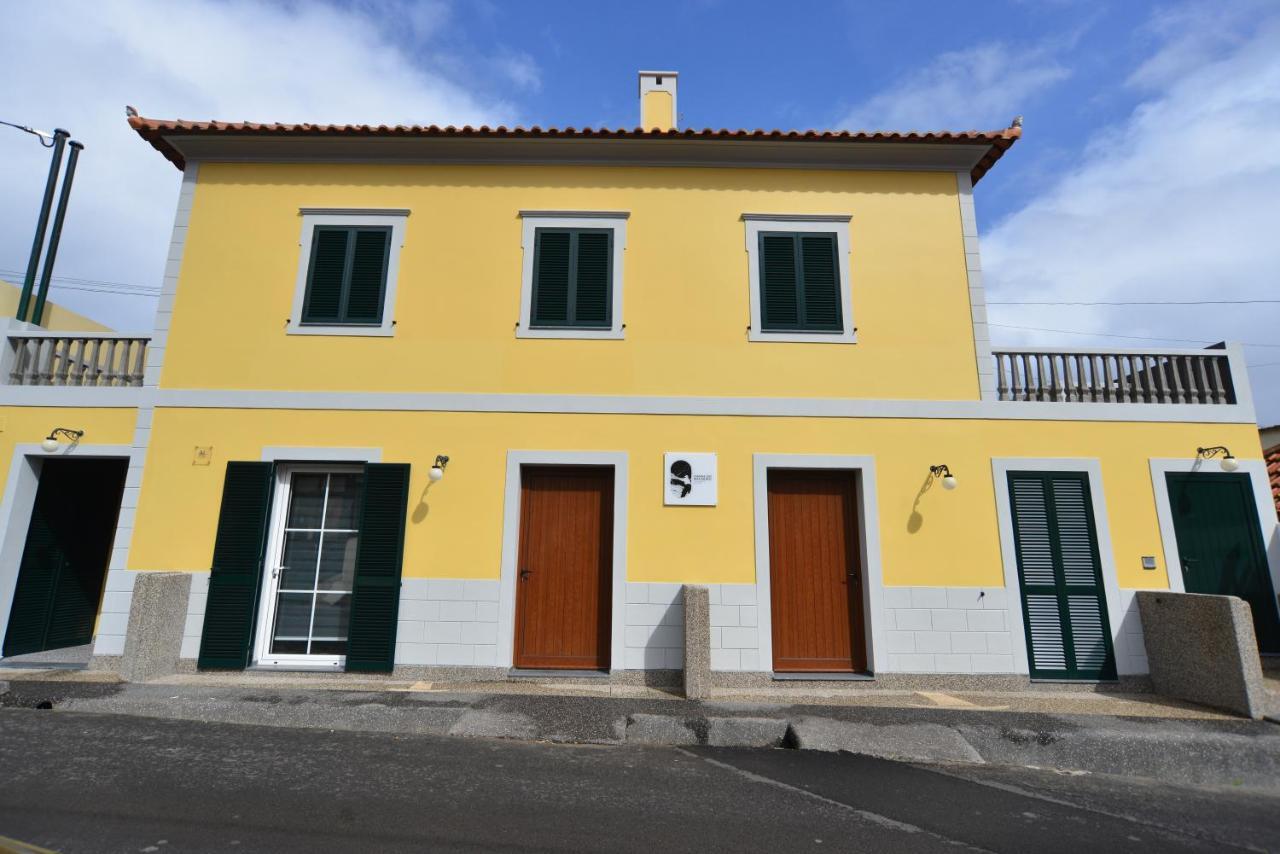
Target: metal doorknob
{"points": [[524, 575]]}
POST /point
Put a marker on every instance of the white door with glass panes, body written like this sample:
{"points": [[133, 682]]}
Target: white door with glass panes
{"points": [[311, 561]]}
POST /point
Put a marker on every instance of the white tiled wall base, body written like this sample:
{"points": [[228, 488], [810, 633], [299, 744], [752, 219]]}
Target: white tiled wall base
{"points": [[735, 633], [946, 630], [455, 622], [655, 627], [448, 621], [1131, 649], [113, 617], [195, 615], [654, 635]]}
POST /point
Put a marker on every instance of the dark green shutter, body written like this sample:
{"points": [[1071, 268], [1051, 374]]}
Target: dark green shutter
{"points": [[324, 278], [821, 282], [572, 278], [799, 283], [592, 285], [347, 276], [236, 574], [375, 598], [551, 278], [1064, 603], [779, 302], [368, 275]]}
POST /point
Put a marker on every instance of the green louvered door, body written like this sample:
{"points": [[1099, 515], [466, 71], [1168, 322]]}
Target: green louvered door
{"points": [[236, 574], [239, 564], [1064, 605], [64, 560], [1215, 522], [375, 601]]}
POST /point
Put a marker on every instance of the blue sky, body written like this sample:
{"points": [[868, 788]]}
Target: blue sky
{"points": [[1149, 167]]}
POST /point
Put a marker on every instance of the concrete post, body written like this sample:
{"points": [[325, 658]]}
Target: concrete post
{"points": [[697, 643], [1202, 649], [157, 615]]}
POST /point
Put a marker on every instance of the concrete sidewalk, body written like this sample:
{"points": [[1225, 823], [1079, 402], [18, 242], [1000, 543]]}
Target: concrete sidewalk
{"points": [[1132, 735]]}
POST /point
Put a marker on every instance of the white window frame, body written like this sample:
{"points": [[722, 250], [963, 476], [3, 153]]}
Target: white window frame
{"points": [[837, 224], [262, 655], [532, 221], [397, 219]]}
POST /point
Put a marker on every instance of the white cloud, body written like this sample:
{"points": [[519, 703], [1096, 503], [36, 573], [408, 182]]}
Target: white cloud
{"points": [[1177, 202], [521, 69], [77, 66], [981, 87]]}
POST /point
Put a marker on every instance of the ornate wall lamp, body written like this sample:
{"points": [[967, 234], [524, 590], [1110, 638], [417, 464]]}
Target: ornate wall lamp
{"points": [[50, 443], [437, 470], [948, 479], [1228, 461]]}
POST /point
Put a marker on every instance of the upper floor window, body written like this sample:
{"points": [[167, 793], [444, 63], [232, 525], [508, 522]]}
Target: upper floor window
{"points": [[347, 272], [572, 282], [799, 272]]}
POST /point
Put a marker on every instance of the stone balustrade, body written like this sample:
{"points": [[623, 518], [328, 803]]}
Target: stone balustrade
{"points": [[1131, 376], [75, 359]]}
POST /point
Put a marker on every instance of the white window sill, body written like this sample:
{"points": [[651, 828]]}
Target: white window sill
{"points": [[587, 334], [847, 337], [319, 665], [386, 330]]}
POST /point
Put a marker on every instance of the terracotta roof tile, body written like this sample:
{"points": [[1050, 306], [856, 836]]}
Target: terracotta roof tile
{"points": [[155, 130]]}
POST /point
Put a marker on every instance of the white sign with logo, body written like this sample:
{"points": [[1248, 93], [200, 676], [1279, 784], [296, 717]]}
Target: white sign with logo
{"points": [[689, 479]]}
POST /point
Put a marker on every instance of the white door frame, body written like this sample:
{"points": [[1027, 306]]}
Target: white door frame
{"points": [[1258, 479], [511, 545], [864, 467], [270, 581], [1000, 468], [20, 498]]}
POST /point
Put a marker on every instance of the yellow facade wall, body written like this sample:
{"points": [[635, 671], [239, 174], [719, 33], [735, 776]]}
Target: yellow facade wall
{"points": [[657, 110], [685, 288], [934, 538], [30, 424]]}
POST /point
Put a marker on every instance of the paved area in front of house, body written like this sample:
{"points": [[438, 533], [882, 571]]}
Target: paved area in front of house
{"points": [[93, 783], [1213, 750]]}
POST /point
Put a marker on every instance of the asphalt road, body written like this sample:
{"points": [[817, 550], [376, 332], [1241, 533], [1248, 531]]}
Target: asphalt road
{"points": [[87, 782]]}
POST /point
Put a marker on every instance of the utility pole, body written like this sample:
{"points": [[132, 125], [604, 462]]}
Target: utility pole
{"points": [[37, 314], [28, 283]]}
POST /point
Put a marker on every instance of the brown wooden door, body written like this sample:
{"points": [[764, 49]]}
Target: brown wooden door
{"points": [[814, 575], [565, 568]]}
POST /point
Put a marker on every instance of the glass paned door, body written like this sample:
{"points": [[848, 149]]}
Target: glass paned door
{"points": [[311, 566]]}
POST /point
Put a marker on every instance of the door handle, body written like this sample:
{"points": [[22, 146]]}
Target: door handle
{"points": [[524, 575]]}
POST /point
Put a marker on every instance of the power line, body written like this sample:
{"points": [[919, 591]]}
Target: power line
{"points": [[1140, 302], [95, 284], [1114, 335]]}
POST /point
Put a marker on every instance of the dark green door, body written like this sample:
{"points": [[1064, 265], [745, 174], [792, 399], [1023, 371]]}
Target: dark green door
{"points": [[1064, 605], [1215, 520], [64, 561]]}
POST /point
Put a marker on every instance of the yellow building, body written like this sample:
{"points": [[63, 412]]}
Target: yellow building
{"points": [[485, 397]]}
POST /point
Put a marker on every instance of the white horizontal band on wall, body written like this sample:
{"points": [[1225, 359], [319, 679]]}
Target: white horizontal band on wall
{"points": [[588, 404]]}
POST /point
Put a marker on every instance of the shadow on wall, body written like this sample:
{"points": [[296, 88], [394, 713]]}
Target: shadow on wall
{"points": [[422, 509], [916, 520]]}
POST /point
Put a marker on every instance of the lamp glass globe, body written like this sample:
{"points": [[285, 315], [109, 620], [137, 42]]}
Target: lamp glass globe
{"points": [[1229, 463], [949, 482], [435, 474], [49, 445]]}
